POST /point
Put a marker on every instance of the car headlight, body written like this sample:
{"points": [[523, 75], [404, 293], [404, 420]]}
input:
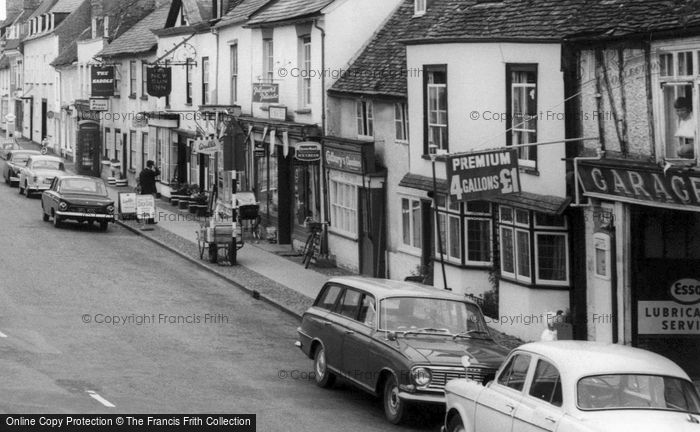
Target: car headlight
{"points": [[421, 376], [63, 206], [110, 209], [35, 179]]}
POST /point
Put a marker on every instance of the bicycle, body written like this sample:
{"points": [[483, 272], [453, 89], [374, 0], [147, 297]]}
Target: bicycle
{"points": [[44, 146], [313, 242]]}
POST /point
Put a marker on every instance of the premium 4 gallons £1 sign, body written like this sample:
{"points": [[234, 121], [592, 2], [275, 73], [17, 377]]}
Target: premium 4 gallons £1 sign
{"points": [[476, 176]]}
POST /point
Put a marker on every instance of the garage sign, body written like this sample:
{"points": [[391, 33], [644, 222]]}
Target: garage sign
{"points": [[476, 176]]}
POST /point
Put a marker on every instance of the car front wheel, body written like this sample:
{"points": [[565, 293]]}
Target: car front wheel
{"points": [[104, 225], [394, 407], [455, 425], [56, 221], [27, 192], [323, 377], [20, 189], [44, 216]]}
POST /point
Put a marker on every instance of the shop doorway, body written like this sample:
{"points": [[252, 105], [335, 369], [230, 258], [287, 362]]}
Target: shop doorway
{"points": [[44, 120], [665, 249]]}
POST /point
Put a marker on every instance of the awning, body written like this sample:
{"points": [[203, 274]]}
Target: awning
{"points": [[415, 181], [541, 203], [526, 200]]}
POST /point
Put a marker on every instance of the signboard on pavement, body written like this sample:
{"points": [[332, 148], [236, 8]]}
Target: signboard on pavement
{"points": [[479, 175], [145, 207], [127, 204]]}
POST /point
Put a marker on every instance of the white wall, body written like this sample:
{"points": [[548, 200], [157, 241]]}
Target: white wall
{"points": [[476, 82], [41, 84], [235, 34]]}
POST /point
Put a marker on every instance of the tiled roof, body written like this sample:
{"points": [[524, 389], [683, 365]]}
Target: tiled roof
{"points": [[139, 38], [66, 6], [241, 11], [282, 10], [73, 25], [10, 17], [69, 54], [12, 44]]}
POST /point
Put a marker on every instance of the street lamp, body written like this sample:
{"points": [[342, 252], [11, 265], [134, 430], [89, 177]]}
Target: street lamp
{"points": [[432, 149]]}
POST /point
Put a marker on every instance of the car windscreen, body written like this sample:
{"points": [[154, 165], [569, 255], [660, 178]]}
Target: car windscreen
{"points": [[47, 164], [19, 158], [85, 186], [430, 314], [636, 391]]}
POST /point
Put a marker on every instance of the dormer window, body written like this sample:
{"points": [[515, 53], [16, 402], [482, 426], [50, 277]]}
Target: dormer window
{"points": [[420, 6], [218, 6], [105, 27]]}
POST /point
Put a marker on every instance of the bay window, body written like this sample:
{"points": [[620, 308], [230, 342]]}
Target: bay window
{"points": [[411, 222], [465, 230], [534, 247]]}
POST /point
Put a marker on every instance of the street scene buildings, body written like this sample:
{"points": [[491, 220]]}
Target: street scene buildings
{"points": [[538, 159]]}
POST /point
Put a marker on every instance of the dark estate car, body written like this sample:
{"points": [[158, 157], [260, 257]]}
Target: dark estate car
{"points": [[16, 160], [78, 198], [400, 340]]}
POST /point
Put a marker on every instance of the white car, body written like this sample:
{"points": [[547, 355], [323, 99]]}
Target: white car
{"points": [[568, 386], [39, 172]]}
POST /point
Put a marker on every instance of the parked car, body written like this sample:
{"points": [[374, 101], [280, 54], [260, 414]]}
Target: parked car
{"points": [[399, 340], [6, 146], [572, 386], [78, 198], [38, 173], [16, 159]]}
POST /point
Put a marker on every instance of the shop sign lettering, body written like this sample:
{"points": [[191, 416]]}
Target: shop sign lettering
{"points": [[643, 186], [158, 81], [686, 291], [102, 81], [206, 146], [667, 317], [483, 174], [266, 93], [308, 151], [344, 160]]}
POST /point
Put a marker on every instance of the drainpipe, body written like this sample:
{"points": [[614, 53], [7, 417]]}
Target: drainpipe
{"points": [[601, 155], [322, 173]]}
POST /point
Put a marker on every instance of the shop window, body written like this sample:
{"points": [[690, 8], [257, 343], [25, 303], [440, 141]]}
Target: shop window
{"points": [[521, 116], [343, 200], [411, 222], [435, 107], [401, 121], [465, 231], [267, 184], [365, 118], [671, 235], [534, 247], [678, 115]]}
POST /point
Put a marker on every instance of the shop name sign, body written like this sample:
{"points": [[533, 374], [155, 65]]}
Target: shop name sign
{"points": [[158, 81], [102, 81], [642, 186], [206, 146], [484, 174], [266, 93], [344, 160], [307, 151], [686, 291]]}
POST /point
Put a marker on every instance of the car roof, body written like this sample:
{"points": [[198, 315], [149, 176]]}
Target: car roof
{"points": [[584, 358], [75, 176], [383, 288], [46, 157], [23, 151]]}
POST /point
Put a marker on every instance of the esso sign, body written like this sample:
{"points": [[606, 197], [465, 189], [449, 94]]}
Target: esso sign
{"points": [[686, 291]]}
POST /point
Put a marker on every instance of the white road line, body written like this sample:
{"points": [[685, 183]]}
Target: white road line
{"points": [[2, 335], [100, 399]]}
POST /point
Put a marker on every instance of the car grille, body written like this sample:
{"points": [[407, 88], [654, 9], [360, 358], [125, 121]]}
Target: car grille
{"points": [[441, 375], [87, 210]]}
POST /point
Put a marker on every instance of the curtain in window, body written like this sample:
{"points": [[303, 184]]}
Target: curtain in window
{"points": [[551, 253]]}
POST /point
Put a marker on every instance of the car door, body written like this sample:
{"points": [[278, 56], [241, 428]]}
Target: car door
{"points": [[318, 323], [540, 408], [357, 338], [50, 198], [345, 320], [496, 405]]}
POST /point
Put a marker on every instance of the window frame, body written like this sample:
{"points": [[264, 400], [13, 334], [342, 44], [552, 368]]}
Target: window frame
{"points": [[144, 79], [205, 80], [506, 366], [529, 394], [144, 149], [427, 124], [419, 7], [364, 116], [305, 72], [401, 122], [233, 51], [344, 217], [133, 79], [416, 248], [132, 148], [460, 211], [188, 80], [531, 162], [117, 79], [268, 60]]}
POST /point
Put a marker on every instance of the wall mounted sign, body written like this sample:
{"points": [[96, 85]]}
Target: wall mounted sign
{"points": [[686, 291], [259, 150], [667, 317], [158, 81], [343, 160], [102, 81], [307, 151], [206, 145], [278, 113], [99, 104], [266, 93], [475, 176], [640, 184]]}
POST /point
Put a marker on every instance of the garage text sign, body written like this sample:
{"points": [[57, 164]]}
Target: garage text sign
{"points": [[476, 176], [641, 186], [668, 317]]}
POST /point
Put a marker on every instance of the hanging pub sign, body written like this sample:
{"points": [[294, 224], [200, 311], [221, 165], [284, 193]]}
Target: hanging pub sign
{"points": [[206, 145], [476, 176], [307, 151], [158, 81], [266, 93], [102, 81]]}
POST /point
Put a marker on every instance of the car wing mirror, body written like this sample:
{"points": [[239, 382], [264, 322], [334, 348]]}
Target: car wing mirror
{"points": [[391, 335]]}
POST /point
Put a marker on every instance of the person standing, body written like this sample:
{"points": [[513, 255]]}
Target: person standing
{"points": [[685, 132], [147, 181]]}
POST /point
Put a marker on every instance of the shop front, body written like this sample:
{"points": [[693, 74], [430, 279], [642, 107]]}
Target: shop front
{"points": [[88, 141], [288, 187], [356, 206], [644, 257]]}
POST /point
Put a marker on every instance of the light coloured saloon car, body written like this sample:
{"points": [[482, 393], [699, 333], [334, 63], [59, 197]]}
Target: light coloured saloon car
{"points": [[38, 173], [576, 386], [15, 161]]}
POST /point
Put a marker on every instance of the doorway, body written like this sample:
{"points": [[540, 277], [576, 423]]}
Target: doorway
{"points": [[44, 119]]}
